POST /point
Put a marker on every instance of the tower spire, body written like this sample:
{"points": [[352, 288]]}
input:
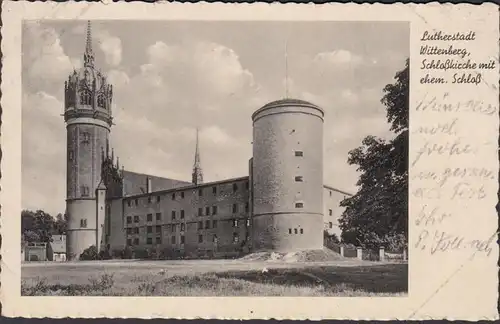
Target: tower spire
{"points": [[88, 57], [197, 172]]}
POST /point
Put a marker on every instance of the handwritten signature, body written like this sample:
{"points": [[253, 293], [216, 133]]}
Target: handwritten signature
{"points": [[442, 242]]}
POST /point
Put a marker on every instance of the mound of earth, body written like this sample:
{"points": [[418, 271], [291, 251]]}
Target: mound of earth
{"points": [[299, 256]]}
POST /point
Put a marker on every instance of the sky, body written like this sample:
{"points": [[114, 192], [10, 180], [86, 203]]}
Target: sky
{"points": [[170, 77]]}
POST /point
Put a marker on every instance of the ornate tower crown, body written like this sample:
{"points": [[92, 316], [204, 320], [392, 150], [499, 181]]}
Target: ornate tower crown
{"points": [[87, 92]]}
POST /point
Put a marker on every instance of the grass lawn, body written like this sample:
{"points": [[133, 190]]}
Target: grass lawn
{"points": [[223, 278]]}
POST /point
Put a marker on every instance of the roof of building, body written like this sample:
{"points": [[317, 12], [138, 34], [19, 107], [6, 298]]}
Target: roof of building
{"points": [[186, 187], [136, 183], [101, 185], [287, 102], [337, 190], [58, 243]]}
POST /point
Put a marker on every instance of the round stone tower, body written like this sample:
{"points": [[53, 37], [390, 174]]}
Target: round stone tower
{"points": [[87, 113], [287, 176]]}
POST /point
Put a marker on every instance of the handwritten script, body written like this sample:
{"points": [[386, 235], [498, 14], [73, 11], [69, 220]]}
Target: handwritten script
{"points": [[448, 176]]}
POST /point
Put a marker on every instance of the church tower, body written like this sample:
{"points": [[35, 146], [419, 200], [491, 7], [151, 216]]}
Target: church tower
{"points": [[87, 113], [197, 176]]}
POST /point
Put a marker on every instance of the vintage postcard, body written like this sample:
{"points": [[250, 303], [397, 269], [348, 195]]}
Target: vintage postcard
{"points": [[315, 161]]}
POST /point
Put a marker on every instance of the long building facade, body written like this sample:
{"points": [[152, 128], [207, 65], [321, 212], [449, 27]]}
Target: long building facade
{"points": [[281, 205]]}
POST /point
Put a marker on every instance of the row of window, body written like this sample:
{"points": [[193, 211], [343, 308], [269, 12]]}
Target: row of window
{"points": [[295, 231], [173, 239], [208, 211], [182, 195], [201, 225]]}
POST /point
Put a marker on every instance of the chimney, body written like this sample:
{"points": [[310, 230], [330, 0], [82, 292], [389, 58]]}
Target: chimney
{"points": [[148, 185]]}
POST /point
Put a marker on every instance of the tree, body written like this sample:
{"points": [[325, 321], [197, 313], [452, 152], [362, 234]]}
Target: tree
{"points": [[39, 226], [378, 213], [61, 224], [31, 236]]}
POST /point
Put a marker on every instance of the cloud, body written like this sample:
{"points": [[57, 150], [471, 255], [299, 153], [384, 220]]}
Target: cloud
{"points": [[339, 58], [44, 55], [118, 78], [111, 47], [79, 29], [179, 88], [217, 136], [43, 161], [209, 69]]}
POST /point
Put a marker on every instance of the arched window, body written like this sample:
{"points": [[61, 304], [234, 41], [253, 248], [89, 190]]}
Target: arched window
{"points": [[101, 101], [85, 98]]}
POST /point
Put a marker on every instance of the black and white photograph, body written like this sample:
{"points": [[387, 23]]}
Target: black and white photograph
{"points": [[214, 158]]}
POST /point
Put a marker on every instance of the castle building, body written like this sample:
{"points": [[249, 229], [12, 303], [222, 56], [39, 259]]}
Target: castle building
{"points": [[281, 205]]}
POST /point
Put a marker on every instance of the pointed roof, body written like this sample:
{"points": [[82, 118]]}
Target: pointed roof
{"points": [[101, 185], [88, 47], [197, 160], [88, 56], [197, 171]]}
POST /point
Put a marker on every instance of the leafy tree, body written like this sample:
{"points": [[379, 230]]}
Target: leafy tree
{"points": [[378, 213], [31, 236], [39, 222], [39, 226], [61, 224]]}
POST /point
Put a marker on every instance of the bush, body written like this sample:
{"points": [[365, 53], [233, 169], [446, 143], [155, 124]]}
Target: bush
{"points": [[127, 253], [330, 238], [104, 255], [142, 253], [89, 254]]}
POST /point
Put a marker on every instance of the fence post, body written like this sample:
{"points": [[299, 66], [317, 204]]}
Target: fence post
{"points": [[404, 255], [381, 254], [341, 250], [359, 252]]}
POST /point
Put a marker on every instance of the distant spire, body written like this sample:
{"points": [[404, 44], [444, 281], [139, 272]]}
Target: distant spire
{"points": [[88, 57], [112, 155], [197, 172], [118, 163]]}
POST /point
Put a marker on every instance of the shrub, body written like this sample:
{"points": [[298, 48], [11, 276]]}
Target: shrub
{"points": [[142, 253], [127, 253], [104, 255], [89, 253]]}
